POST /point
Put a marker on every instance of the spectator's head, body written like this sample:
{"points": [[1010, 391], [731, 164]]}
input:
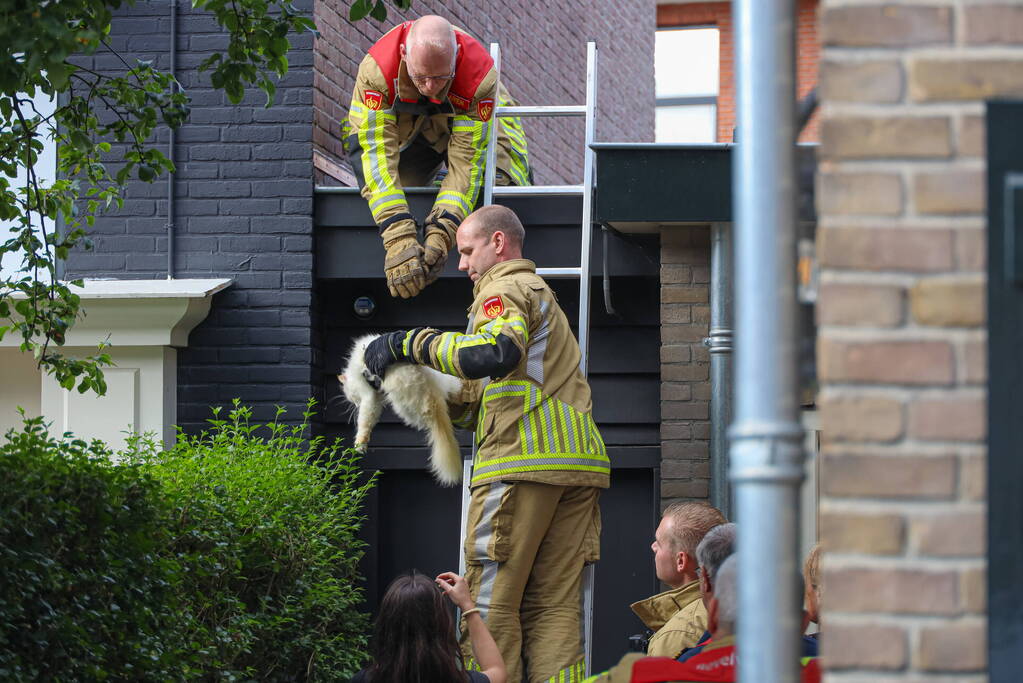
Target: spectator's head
{"points": [[812, 584], [716, 546], [682, 527], [429, 52], [724, 606], [487, 237], [414, 634]]}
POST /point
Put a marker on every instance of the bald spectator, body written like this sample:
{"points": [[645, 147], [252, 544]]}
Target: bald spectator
{"points": [[678, 616]]}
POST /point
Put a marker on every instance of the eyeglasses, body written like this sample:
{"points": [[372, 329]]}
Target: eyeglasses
{"points": [[424, 80]]}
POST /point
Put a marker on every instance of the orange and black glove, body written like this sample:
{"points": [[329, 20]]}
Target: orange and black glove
{"points": [[440, 228], [403, 264]]}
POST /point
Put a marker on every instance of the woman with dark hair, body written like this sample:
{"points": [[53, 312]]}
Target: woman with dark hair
{"points": [[414, 635]]}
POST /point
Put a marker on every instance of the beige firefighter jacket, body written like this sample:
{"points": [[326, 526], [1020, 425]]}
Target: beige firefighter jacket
{"points": [[387, 113], [532, 417], [678, 618]]}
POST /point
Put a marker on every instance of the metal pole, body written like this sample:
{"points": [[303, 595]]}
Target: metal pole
{"points": [[766, 452], [720, 344]]}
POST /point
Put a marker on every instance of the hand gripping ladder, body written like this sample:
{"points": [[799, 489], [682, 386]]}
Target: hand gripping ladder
{"points": [[582, 272]]}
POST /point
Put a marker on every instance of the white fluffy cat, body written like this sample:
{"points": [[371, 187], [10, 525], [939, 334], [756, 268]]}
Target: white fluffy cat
{"points": [[418, 394]]}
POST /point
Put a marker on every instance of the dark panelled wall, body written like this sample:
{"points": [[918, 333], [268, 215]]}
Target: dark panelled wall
{"points": [[243, 210], [543, 48]]}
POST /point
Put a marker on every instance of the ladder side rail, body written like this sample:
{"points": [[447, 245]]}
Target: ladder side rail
{"points": [[589, 159], [490, 175]]}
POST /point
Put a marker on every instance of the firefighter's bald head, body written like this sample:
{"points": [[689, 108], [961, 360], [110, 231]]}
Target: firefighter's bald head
{"points": [[429, 53], [487, 237]]}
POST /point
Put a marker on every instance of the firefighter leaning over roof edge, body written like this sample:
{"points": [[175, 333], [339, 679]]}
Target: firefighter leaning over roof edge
{"points": [[533, 520], [425, 95]]}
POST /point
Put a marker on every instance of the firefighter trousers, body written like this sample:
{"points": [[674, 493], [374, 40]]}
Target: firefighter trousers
{"points": [[526, 546]]}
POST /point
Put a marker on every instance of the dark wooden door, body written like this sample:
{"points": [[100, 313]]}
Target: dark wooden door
{"points": [[1005, 389]]}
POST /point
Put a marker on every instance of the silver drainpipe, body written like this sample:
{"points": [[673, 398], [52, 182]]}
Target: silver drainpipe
{"points": [[170, 139], [720, 345], [766, 452]]}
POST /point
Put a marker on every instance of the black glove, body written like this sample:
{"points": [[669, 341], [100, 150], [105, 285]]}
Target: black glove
{"points": [[382, 353]]}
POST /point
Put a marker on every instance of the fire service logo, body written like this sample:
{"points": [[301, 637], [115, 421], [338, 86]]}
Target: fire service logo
{"points": [[485, 108], [373, 99], [493, 307]]}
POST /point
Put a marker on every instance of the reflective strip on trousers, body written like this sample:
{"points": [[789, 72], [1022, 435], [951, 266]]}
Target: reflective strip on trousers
{"points": [[482, 538], [573, 673]]}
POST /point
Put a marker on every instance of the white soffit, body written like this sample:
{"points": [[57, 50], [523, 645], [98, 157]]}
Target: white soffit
{"points": [[138, 312]]}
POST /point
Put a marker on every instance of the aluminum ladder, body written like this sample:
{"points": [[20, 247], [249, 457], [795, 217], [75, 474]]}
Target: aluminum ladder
{"points": [[582, 271]]}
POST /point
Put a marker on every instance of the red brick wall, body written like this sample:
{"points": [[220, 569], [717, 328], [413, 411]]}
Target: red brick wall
{"points": [[719, 14], [543, 49]]}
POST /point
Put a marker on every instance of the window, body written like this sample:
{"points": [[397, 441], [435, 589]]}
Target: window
{"points": [[686, 74]]}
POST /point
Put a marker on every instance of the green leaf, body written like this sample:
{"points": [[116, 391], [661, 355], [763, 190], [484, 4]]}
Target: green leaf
{"points": [[359, 10], [379, 12]]}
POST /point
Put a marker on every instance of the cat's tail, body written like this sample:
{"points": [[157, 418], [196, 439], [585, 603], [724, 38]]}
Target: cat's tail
{"points": [[445, 455]]}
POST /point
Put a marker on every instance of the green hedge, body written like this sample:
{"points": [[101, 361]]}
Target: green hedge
{"points": [[230, 557]]}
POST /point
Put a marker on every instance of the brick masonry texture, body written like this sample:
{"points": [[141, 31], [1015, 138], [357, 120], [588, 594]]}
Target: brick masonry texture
{"points": [[685, 363], [901, 337], [243, 211], [543, 54]]}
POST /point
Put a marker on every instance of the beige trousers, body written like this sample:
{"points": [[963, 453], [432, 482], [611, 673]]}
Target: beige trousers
{"points": [[526, 545]]}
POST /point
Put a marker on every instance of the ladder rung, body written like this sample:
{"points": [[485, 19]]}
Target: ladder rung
{"points": [[559, 272], [544, 110], [537, 190]]}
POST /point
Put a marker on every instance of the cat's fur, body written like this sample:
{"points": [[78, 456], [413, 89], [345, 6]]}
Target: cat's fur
{"points": [[418, 395]]}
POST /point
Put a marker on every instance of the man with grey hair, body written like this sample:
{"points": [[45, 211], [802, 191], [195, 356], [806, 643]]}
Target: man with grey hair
{"points": [[715, 548], [424, 97]]}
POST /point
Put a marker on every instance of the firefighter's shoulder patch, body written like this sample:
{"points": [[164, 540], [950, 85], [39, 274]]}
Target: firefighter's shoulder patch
{"points": [[485, 108], [493, 307], [458, 100], [373, 99]]}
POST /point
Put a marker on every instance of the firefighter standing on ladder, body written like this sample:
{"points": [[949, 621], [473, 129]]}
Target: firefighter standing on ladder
{"points": [[425, 95], [533, 518]]}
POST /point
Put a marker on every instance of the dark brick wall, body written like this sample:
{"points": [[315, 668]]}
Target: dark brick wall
{"points": [[243, 210], [543, 47]]}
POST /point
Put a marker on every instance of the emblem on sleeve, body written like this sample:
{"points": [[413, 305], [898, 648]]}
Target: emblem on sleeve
{"points": [[493, 307], [373, 99], [485, 108]]}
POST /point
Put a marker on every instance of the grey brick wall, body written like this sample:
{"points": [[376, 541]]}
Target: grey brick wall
{"points": [[543, 47], [243, 210]]}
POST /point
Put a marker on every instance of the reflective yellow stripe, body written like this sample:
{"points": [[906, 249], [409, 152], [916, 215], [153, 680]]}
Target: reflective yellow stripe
{"points": [[534, 468]]}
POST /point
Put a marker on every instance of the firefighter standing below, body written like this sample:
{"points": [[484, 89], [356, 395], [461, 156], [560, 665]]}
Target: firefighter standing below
{"points": [[424, 95], [533, 518]]}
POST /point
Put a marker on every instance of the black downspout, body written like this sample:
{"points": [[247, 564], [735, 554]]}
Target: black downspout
{"points": [[170, 139]]}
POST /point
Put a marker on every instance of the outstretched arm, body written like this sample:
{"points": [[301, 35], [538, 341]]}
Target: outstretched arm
{"points": [[484, 649]]}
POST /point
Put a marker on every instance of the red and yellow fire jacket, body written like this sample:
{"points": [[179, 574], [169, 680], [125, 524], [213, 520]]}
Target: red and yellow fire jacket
{"points": [[388, 112]]}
